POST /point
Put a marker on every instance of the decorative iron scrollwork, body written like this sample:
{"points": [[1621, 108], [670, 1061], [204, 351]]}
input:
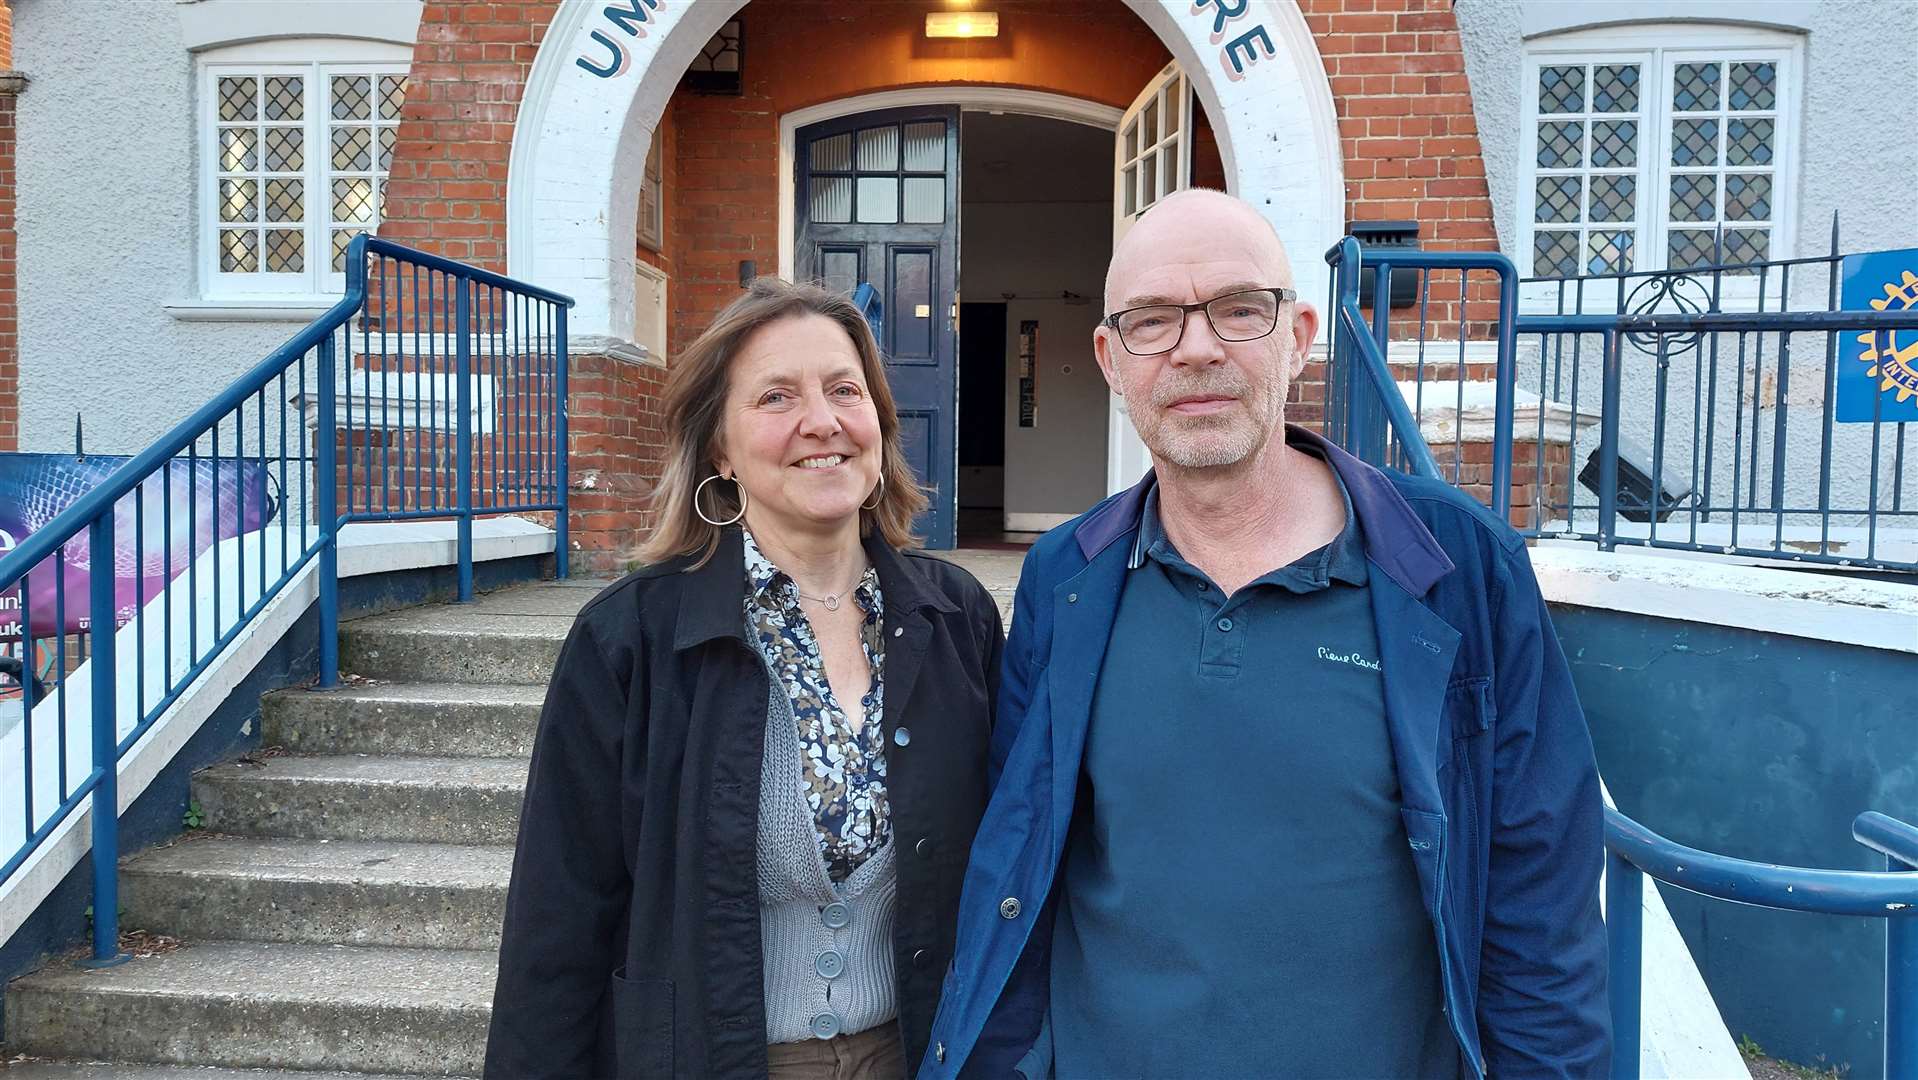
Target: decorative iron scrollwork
{"points": [[1667, 293]]}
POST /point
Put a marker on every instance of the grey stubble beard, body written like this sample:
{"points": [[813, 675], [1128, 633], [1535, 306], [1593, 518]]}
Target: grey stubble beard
{"points": [[1201, 442]]}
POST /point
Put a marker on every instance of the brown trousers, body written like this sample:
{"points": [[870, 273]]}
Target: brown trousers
{"points": [[873, 1054]]}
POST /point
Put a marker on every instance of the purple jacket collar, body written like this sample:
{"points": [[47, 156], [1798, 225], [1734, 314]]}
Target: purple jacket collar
{"points": [[1396, 541]]}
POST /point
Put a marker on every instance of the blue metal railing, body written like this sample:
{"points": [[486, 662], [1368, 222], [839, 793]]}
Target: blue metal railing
{"points": [[449, 359], [1360, 408], [1692, 374], [1633, 851]]}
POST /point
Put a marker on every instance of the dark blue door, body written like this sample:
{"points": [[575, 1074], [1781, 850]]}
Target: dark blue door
{"points": [[878, 201]]}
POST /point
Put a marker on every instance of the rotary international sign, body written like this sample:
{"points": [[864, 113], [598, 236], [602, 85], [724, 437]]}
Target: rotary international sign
{"points": [[1878, 370]]}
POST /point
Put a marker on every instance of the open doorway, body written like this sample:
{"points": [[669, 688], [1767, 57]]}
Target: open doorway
{"points": [[1035, 235]]}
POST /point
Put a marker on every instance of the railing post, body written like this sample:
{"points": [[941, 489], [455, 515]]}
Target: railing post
{"points": [[1625, 941], [1901, 991], [1608, 440], [106, 747], [1372, 439], [1506, 378], [328, 496], [463, 371], [561, 526]]}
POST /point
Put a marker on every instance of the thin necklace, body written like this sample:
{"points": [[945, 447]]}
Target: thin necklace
{"points": [[831, 600]]}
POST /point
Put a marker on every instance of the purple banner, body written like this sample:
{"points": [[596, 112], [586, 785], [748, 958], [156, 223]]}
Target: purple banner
{"points": [[158, 530]]}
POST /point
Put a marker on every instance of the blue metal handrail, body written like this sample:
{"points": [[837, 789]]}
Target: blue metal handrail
{"points": [[1738, 445], [1352, 418], [1633, 851], [409, 310]]}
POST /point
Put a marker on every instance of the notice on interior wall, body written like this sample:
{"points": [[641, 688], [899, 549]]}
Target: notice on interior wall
{"points": [[1028, 372]]}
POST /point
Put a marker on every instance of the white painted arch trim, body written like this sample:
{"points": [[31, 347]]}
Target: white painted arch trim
{"points": [[573, 175], [968, 98]]}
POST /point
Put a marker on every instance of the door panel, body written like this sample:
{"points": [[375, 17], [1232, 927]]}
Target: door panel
{"points": [[1153, 159], [878, 201]]}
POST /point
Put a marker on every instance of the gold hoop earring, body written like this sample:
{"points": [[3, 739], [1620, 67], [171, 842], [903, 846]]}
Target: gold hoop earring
{"points": [[701, 511], [878, 494]]}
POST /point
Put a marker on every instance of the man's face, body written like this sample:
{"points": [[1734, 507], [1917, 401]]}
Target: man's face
{"points": [[1208, 402]]}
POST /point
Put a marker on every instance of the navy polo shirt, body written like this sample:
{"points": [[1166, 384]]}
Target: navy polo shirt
{"points": [[1238, 896]]}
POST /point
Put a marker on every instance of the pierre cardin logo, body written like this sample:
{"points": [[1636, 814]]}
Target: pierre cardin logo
{"points": [[1356, 659]]}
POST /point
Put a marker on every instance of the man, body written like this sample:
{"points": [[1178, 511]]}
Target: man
{"points": [[1290, 777]]}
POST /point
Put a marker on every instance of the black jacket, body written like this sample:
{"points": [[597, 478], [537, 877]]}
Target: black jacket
{"points": [[631, 946]]}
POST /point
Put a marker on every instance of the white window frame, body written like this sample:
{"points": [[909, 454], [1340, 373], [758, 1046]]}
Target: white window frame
{"points": [[315, 60], [1659, 48]]}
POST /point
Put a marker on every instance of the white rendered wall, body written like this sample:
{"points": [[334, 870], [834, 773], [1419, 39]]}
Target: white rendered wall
{"points": [[1057, 467], [107, 195]]}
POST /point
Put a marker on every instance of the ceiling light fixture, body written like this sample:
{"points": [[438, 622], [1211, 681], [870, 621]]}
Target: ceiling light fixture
{"points": [[962, 24]]}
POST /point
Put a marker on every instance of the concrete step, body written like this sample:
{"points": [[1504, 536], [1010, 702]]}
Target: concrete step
{"points": [[258, 1005], [428, 800], [106, 1070], [511, 636], [425, 896], [440, 719]]}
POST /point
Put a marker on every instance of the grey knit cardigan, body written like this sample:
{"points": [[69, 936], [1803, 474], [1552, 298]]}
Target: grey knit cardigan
{"points": [[821, 980]]}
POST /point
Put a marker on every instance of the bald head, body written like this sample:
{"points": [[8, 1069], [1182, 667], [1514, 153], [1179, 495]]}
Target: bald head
{"points": [[1186, 232]]}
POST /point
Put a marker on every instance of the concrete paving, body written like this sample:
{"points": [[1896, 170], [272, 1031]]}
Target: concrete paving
{"points": [[337, 797], [102, 1070], [997, 570], [249, 1004], [422, 896], [439, 719], [343, 910]]}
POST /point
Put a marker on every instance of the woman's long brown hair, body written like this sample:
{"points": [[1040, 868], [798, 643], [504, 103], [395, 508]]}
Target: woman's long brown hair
{"points": [[694, 403]]}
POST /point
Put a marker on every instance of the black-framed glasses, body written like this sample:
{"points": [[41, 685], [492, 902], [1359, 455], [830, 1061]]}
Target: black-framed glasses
{"points": [[1239, 316]]}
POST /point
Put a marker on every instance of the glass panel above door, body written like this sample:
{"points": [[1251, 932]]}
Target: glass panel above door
{"points": [[925, 200], [832, 154], [926, 147], [878, 200], [879, 149]]}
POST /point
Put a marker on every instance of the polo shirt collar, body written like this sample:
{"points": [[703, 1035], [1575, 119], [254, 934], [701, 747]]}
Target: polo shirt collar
{"points": [[1395, 540], [1341, 560]]}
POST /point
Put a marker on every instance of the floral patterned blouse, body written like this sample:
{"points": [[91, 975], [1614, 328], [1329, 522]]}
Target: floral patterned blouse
{"points": [[845, 772]]}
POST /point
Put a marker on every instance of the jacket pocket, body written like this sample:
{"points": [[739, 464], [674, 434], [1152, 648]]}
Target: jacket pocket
{"points": [[1468, 706], [643, 1027]]}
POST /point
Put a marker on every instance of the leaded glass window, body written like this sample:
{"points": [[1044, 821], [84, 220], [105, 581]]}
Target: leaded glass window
{"points": [[1653, 158], [259, 194], [298, 156], [1724, 145], [1584, 187]]}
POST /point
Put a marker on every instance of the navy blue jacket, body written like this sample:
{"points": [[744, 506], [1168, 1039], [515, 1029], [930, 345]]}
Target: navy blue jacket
{"points": [[1500, 793]]}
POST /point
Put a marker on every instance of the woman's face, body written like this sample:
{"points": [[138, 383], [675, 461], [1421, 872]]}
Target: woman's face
{"points": [[800, 432]]}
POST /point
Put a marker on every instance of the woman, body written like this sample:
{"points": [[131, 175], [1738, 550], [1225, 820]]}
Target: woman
{"points": [[762, 755]]}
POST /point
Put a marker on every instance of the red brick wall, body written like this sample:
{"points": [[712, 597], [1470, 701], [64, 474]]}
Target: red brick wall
{"points": [[1397, 76], [1537, 485], [1411, 151], [617, 453], [1395, 66], [446, 191], [9, 291], [1405, 117]]}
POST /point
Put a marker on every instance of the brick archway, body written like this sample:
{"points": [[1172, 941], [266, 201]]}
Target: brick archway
{"points": [[604, 74]]}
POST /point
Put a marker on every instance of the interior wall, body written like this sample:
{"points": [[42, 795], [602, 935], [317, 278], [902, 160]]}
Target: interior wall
{"points": [[1035, 223], [799, 53]]}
